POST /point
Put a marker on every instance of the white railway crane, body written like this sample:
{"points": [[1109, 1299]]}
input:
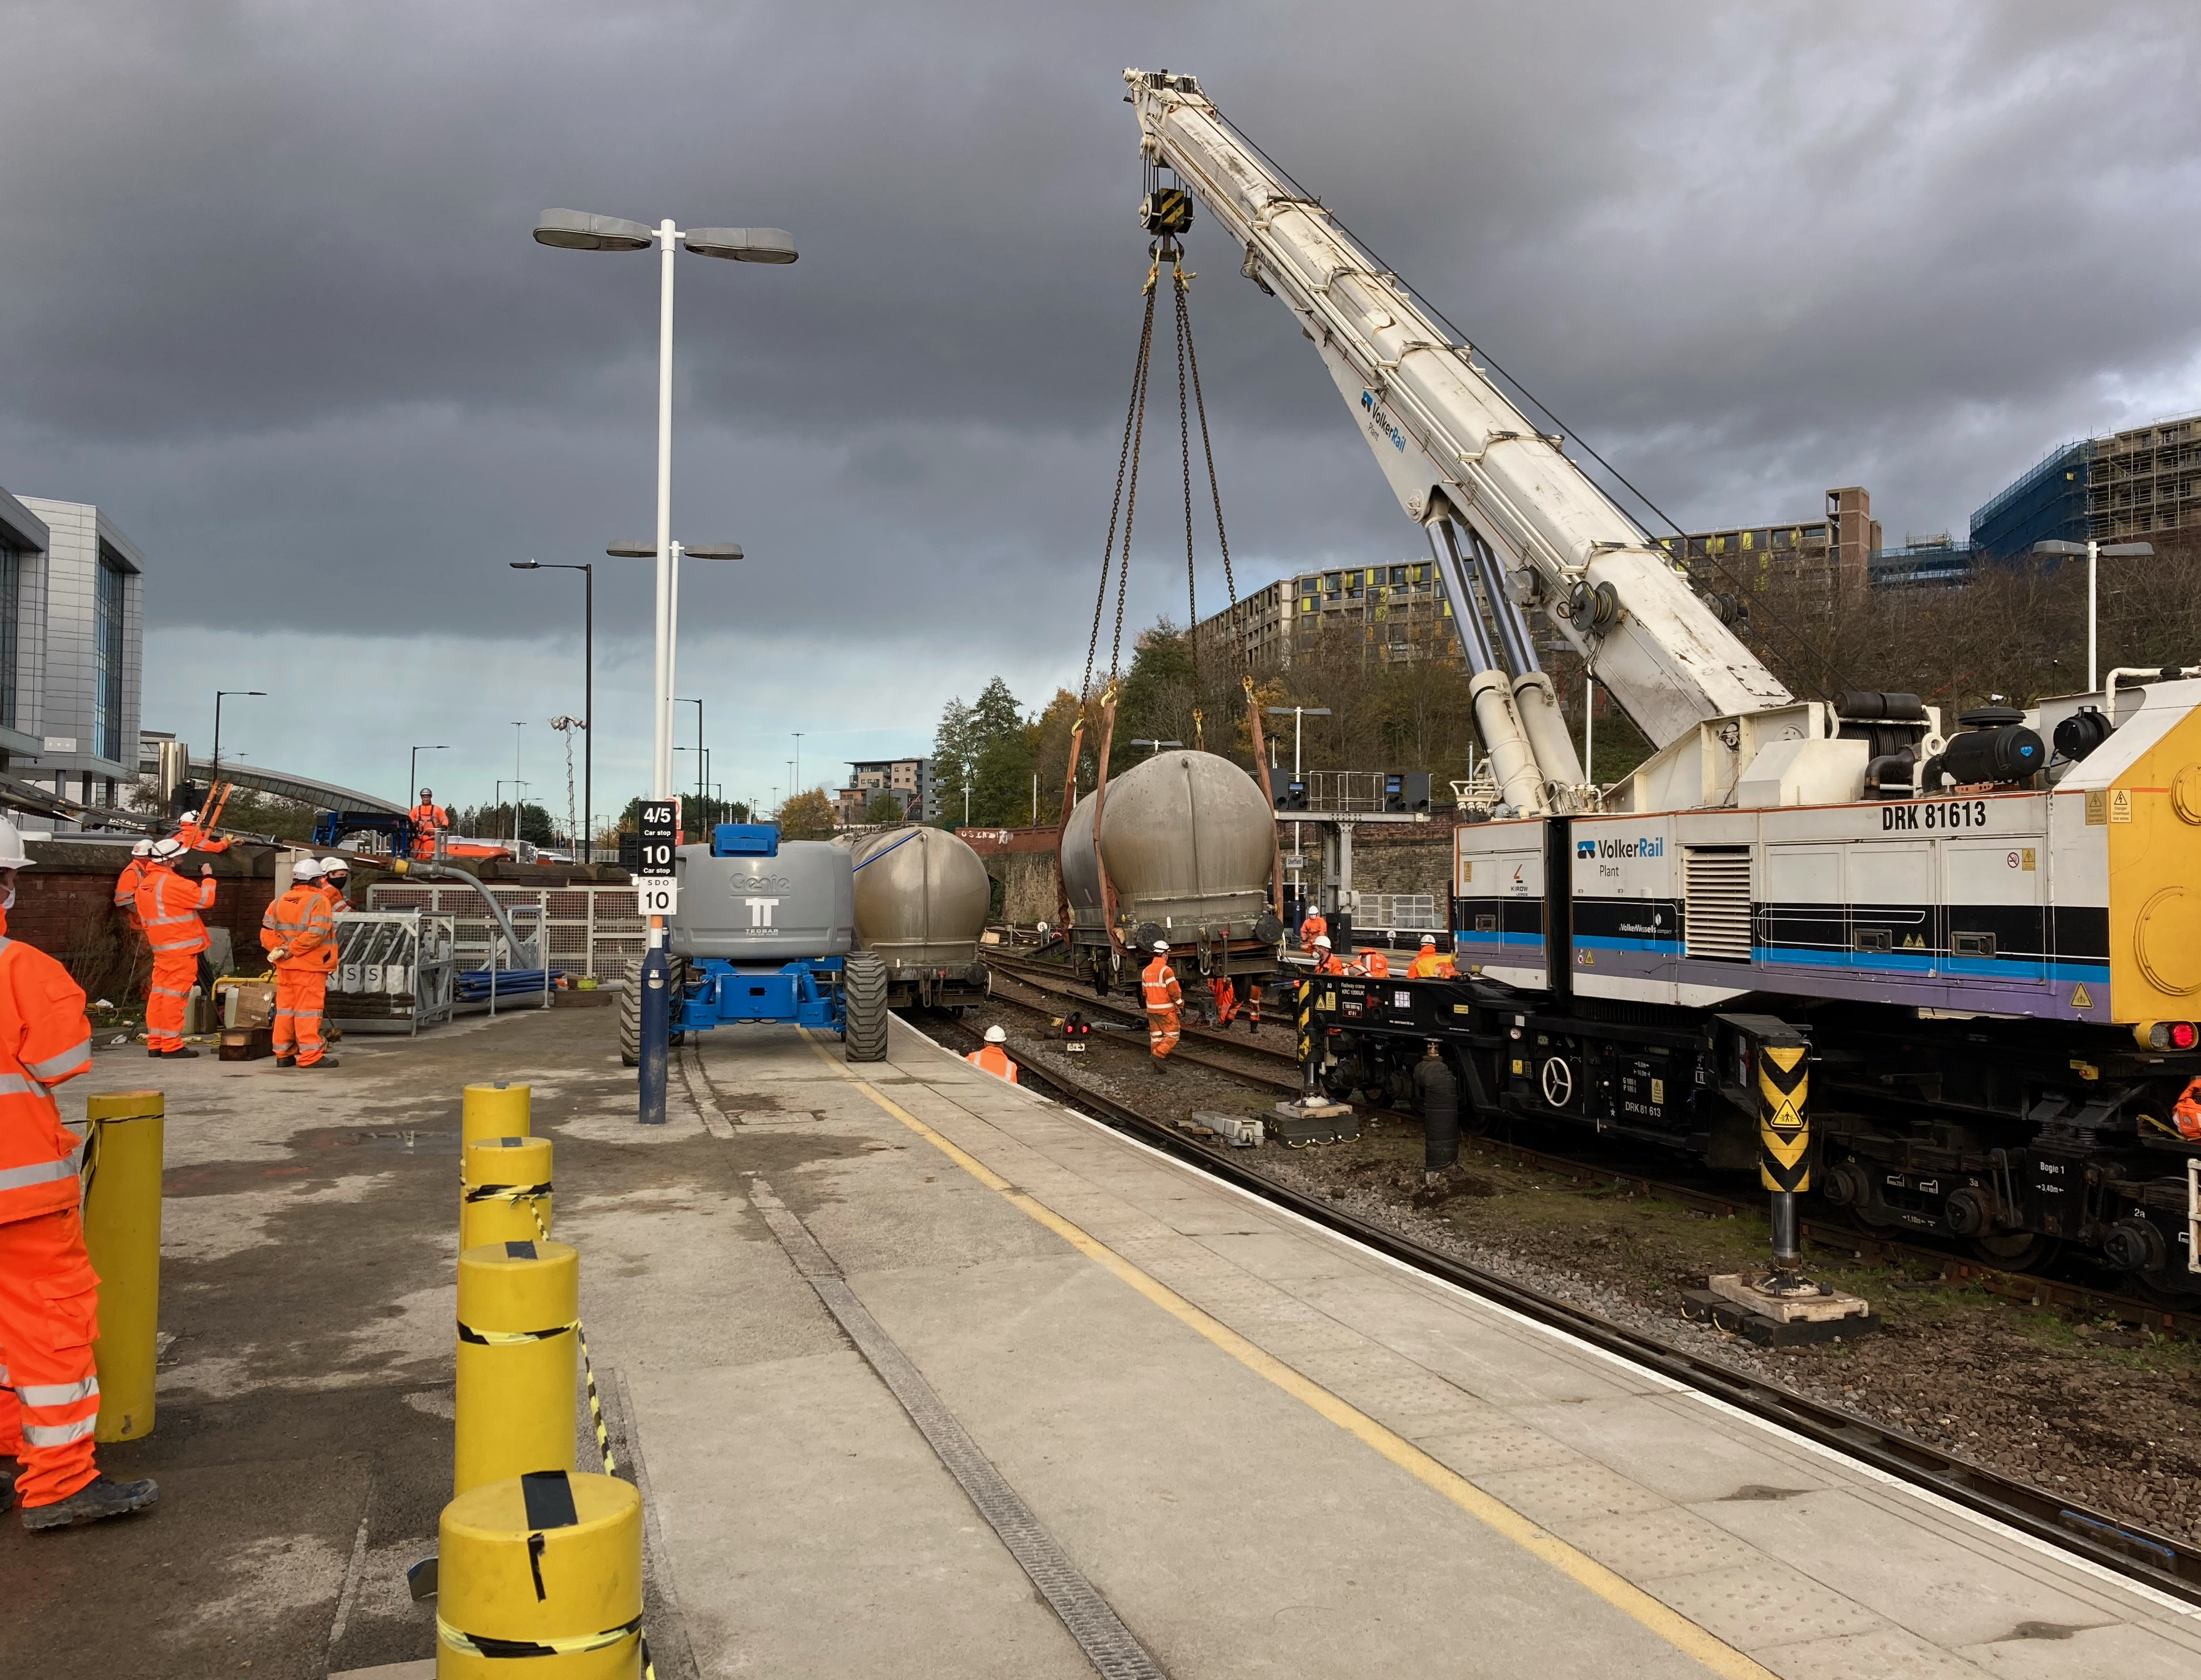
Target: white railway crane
{"points": [[1992, 951]]}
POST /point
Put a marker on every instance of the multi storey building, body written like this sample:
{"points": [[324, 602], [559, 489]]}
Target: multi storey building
{"points": [[1393, 612], [1829, 555], [909, 779], [72, 648], [2142, 482]]}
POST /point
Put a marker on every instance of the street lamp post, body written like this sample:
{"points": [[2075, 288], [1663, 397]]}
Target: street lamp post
{"points": [[577, 230], [798, 754], [2093, 551], [588, 694], [214, 773], [1299, 715], [702, 769]]}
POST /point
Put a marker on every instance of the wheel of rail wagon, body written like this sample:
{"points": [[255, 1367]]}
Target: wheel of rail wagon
{"points": [[864, 1006], [2016, 1250]]}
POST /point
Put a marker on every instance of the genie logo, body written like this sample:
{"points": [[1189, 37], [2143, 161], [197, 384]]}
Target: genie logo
{"points": [[1650, 846]]}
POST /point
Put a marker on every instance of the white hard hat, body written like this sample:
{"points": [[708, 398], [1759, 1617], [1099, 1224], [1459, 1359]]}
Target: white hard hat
{"points": [[1429, 939], [12, 855], [995, 1035], [427, 793], [305, 869], [1321, 941], [335, 865], [190, 816], [166, 851], [142, 848]]}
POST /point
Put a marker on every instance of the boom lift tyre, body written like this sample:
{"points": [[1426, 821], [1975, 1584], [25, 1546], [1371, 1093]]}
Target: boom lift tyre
{"points": [[676, 976], [864, 1002]]}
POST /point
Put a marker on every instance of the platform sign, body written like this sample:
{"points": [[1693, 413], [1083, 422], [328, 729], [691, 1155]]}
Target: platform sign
{"points": [[656, 895], [1295, 860], [660, 832]]}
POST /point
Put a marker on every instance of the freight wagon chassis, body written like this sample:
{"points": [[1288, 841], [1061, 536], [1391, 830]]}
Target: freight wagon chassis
{"points": [[1108, 969], [2012, 1138]]}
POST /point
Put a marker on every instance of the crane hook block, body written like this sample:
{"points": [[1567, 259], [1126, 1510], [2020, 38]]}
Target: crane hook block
{"points": [[1166, 210]]}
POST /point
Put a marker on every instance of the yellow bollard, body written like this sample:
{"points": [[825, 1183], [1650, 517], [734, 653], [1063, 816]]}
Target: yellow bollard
{"points": [[520, 1305], [546, 1566], [502, 1178], [501, 1110], [122, 1233]]}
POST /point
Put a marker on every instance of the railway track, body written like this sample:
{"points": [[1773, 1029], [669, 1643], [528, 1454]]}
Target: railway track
{"points": [[2033, 1289], [2170, 1565]]}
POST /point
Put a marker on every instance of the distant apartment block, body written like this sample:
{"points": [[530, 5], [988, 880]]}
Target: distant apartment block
{"points": [[1829, 554], [2143, 482], [909, 780], [1394, 613], [72, 648]]}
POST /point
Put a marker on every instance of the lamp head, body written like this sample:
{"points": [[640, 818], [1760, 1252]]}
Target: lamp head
{"points": [[578, 231]]}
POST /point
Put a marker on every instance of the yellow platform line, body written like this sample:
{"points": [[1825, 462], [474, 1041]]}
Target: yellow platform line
{"points": [[1623, 1594]]}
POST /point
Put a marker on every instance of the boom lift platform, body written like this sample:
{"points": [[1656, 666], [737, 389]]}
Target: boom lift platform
{"points": [[1985, 940], [766, 932]]}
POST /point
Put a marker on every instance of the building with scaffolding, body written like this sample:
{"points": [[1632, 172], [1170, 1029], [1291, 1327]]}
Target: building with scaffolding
{"points": [[2142, 482], [1394, 614]]}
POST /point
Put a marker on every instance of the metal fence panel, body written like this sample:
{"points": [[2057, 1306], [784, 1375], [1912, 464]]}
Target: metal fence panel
{"points": [[584, 930]]}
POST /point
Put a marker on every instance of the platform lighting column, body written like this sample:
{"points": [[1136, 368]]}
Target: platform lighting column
{"points": [[214, 773], [2094, 550], [576, 230], [413, 782], [588, 692], [1299, 715]]}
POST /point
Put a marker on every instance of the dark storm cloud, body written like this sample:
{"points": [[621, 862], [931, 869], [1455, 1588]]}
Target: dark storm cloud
{"points": [[267, 291]]}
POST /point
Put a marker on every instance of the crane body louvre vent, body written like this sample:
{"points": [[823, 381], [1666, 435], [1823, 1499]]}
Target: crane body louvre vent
{"points": [[1716, 905]]}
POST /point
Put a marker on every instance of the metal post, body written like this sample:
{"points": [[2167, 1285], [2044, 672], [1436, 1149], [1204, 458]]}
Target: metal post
{"points": [[1784, 1139], [1590, 723], [588, 714], [656, 1024], [2093, 668], [1310, 1059], [673, 665]]}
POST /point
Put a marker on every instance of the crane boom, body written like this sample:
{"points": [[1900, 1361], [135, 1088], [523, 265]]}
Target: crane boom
{"points": [[1539, 531]]}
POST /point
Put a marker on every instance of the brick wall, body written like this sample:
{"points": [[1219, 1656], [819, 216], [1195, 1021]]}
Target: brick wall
{"points": [[65, 907]]}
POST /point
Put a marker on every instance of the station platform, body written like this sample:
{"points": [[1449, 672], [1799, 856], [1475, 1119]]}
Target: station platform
{"points": [[922, 1374], [1265, 1450]]}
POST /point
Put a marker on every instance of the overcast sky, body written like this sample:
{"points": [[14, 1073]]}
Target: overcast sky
{"points": [[267, 296]]}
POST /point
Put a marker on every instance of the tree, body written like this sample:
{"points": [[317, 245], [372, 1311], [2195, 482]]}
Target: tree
{"points": [[884, 811], [807, 816], [954, 756]]}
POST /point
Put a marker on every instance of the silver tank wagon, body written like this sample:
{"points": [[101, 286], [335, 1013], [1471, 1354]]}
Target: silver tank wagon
{"points": [[922, 897], [1188, 842]]}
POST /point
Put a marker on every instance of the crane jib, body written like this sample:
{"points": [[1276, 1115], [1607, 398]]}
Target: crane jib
{"points": [[1452, 445]]}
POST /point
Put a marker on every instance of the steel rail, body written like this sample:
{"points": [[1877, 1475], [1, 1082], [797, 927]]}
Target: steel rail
{"points": [[2032, 1287], [2169, 1566]]}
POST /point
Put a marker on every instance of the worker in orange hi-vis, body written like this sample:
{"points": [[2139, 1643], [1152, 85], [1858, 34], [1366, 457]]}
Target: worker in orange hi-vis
{"points": [[299, 935], [1326, 961], [1375, 965], [1429, 963], [48, 1293], [336, 877], [1164, 999], [126, 883], [1224, 990], [168, 909], [1313, 928], [1254, 1006], [993, 1058], [193, 836], [428, 819]]}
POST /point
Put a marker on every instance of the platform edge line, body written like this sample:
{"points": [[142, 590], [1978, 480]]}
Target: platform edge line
{"points": [[1651, 1613]]}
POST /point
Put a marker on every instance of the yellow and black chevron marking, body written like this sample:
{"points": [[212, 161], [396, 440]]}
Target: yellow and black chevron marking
{"points": [[1168, 209], [1784, 1128], [512, 1193], [1307, 1020], [588, 1371], [513, 1338]]}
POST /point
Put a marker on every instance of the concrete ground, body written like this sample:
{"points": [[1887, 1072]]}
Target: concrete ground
{"points": [[1270, 1452]]}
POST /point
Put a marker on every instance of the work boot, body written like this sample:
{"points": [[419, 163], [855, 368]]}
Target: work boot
{"points": [[308, 1067], [95, 1500], [9, 1469], [286, 1061], [155, 1052], [182, 1052]]}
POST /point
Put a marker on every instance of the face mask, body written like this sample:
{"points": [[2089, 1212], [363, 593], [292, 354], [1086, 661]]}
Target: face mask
{"points": [[7, 899]]}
